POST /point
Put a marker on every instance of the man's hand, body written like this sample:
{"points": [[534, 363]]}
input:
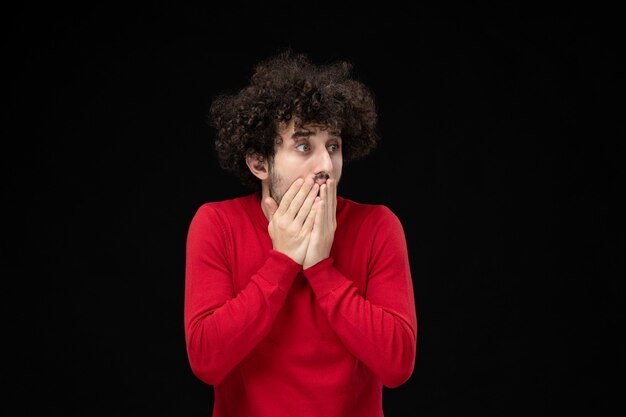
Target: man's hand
{"points": [[291, 222], [324, 226]]}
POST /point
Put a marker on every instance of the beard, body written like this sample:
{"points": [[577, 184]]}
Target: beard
{"points": [[275, 185]]}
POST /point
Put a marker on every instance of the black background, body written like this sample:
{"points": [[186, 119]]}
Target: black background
{"points": [[500, 153]]}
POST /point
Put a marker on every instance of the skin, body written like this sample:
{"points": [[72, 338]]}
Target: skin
{"points": [[299, 191]]}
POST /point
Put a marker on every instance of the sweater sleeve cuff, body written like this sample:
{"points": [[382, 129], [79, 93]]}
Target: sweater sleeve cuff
{"points": [[279, 269], [324, 277]]}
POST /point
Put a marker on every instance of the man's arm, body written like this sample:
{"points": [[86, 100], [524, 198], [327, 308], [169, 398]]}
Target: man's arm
{"points": [[379, 329]]}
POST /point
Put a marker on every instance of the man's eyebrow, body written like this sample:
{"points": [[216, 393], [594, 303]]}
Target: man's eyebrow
{"points": [[306, 133], [300, 133]]}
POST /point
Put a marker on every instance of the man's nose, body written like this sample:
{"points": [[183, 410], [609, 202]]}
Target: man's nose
{"points": [[323, 162]]}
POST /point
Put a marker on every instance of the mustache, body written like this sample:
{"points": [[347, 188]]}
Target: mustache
{"points": [[321, 176]]}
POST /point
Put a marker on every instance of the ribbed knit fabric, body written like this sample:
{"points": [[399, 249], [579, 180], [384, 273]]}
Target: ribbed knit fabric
{"points": [[275, 340]]}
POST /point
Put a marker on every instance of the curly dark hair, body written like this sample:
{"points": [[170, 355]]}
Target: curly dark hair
{"points": [[289, 86]]}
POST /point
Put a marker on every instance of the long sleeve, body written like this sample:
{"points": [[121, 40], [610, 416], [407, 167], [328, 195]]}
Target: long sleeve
{"points": [[379, 329], [222, 327]]}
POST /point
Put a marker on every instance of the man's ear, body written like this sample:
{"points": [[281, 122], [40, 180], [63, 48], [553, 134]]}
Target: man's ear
{"points": [[258, 166]]}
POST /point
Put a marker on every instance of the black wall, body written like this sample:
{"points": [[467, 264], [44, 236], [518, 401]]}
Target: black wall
{"points": [[501, 148]]}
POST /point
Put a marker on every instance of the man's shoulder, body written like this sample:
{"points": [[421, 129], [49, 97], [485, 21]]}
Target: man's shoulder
{"points": [[361, 206], [361, 210], [372, 220]]}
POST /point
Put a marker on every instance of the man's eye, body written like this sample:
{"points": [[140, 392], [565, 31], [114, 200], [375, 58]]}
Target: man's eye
{"points": [[303, 147], [333, 148]]}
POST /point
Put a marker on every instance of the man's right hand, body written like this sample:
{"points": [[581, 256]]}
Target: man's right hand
{"points": [[291, 222]]}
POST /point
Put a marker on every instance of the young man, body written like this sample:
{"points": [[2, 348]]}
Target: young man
{"points": [[297, 302]]}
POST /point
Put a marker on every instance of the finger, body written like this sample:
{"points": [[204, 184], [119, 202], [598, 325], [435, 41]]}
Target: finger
{"points": [[298, 199], [270, 203], [332, 200], [308, 203], [324, 192], [310, 218], [319, 214], [327, 204], [324, 195], [323, 189], [288, 196]]}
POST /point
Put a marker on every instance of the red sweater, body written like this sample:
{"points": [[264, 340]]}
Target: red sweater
{"points": [[275, 340]]}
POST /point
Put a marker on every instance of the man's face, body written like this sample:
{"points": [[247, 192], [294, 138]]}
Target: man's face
{"points": [[306, 152]]}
